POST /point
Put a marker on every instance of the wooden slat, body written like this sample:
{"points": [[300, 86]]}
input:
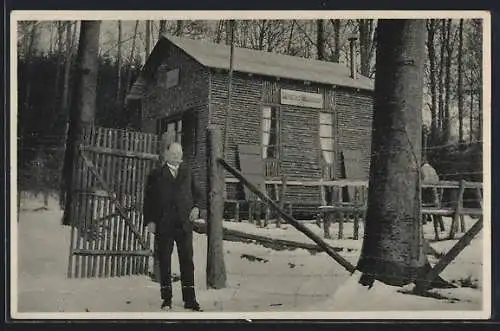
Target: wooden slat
{"points": [[121, 152], [90, 252]]}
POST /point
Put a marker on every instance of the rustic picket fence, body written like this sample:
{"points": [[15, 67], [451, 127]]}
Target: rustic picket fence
{"points": [[108, 237]]}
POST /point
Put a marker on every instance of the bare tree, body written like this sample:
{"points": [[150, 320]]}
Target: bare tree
{"points": [[449, 53], [148, 37], [460, 84], [336, 53], [70, 40], [179, 28], [366, 45], [119, 64], [431, 32], [163, 28], [441, 77], [320, 40], [393, 243]]}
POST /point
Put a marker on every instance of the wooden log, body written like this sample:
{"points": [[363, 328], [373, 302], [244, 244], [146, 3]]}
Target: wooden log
{"points": [[231, 234], [450, 256], [299, 226], [216, 270]]}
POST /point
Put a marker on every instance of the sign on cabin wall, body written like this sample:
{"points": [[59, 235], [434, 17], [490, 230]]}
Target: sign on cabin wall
{"points": [[172, 78], [168, 79], [301, 99]]}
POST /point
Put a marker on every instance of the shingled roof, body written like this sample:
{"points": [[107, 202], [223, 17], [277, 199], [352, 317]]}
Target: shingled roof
{"points": [[212, 55], [246, 60]]}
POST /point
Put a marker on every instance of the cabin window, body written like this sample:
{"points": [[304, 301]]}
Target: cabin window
{"points": [[270, 132], [182, 130], [326, 137]]}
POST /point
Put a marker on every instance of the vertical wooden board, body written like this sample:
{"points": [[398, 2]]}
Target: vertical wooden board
{"points": [[128, 201], [98, 207], [105, 265], [114, 175], [252, 166]]}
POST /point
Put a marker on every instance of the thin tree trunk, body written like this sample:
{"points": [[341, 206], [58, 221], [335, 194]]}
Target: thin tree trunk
{"points": [[290, 38], [431, 32], [132, 54], [163, 28], [365, 28], [32, 44], [320, 40], [179, 27], [148, 38], [59, 57], [471, 115], [67, 65], [83, 101], [336, 54], [449, 54], [119, 65], [460, 84], [393, 246], [441, 78]]}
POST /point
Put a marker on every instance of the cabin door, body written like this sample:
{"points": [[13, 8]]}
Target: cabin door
{"points": [[182, 129]]}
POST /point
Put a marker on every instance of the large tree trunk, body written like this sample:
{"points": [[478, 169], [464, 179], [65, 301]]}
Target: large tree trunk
{"points": [[447, 83], [59, 56], [460, 91], [320, 40], [83, 101], [431, 32], [393, 243]]}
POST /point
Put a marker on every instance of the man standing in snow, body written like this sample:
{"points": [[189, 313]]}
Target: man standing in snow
{"points": [[171, 204]]}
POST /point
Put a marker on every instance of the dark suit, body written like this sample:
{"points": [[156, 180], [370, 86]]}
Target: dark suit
{"points": [[168, 202]]}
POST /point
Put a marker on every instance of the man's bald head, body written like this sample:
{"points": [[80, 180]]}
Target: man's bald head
{"points": [[173, 154]]}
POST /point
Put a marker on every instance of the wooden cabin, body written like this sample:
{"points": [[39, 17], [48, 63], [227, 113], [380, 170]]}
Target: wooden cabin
{"points": [[310, 119]]}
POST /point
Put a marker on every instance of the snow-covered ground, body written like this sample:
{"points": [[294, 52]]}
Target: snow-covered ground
{"points": [[277, 284]]}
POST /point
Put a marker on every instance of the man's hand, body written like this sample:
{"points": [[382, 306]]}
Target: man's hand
{"points": [[195, 214], [151, 227]]}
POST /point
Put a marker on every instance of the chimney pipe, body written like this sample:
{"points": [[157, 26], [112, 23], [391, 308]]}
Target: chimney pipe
{"points": [[352, 44]]}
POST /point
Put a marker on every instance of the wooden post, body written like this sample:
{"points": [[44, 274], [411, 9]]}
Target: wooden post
{"points": [[216, 270], [237, 212], [458, 210], [289, 219], [282, 200], [450, 256]]}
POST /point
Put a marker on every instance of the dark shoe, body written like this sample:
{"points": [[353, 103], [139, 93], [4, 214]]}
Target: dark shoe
{"points": [[194, 306], [166, 305]]}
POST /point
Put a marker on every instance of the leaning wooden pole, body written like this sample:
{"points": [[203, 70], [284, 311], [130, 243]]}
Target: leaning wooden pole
{"points": [[216, 270], [289, 219]]}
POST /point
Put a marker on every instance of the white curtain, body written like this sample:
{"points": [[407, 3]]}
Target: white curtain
{"points": [[266, 127], [326, 136]]}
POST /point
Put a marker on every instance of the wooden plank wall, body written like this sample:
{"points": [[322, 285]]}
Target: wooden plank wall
{"points": [[102, 244]]}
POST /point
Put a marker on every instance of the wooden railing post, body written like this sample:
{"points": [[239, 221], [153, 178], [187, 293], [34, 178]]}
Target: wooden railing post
{"points": [[216, 270], [456, 216]]}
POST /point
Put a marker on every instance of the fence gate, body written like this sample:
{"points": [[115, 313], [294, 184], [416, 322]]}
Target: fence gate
{"points": [[108, 237]]}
